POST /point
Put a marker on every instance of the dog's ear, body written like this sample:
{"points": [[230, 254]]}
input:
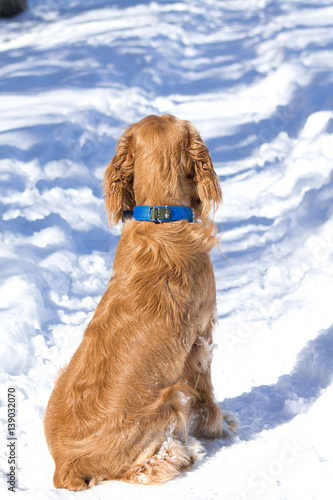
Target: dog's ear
{"points": [[118, 180], [207, 182]]}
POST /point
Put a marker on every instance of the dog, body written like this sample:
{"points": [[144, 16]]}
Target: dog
{"points": [[137, 393]]}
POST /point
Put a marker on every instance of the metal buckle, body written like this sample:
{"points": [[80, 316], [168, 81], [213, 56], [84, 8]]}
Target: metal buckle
{"points": [[157, 214]]}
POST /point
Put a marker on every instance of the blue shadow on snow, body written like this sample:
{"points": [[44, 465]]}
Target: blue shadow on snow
{"points": [[268, 406]]}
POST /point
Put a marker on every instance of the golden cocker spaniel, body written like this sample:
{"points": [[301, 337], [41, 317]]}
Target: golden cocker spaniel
{"points": [[138, 389]]}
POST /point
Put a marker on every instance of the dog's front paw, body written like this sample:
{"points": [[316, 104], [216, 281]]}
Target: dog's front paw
{"points": [[210, 422], [230, 425], [207, 421]]}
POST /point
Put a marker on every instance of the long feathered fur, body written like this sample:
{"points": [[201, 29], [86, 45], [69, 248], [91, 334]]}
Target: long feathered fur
{"points": [[139, 383]]}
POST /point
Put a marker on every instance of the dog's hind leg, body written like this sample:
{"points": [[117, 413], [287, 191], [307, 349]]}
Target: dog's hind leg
{"points": [[170, 459], [166, 448], [71, 477]]}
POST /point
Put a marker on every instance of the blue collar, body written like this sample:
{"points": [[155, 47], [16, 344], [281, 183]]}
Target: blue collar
{"points": [[162, 214]]}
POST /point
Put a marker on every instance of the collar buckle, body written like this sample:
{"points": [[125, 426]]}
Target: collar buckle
{"points": [[159, 214]]}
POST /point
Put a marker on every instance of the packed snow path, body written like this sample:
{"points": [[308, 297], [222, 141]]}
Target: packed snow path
{"points": [[255, 77]]}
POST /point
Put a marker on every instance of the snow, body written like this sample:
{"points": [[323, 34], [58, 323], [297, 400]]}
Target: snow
{"points": [[255, 77]]}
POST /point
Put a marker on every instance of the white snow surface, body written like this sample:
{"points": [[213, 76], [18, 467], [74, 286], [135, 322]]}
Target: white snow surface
{"points": [[256, 79]]}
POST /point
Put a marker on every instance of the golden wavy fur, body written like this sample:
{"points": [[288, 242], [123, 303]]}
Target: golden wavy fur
{"points": [[139, 384]]}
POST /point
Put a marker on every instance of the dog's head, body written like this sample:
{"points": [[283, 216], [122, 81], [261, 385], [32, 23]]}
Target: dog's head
{"points": [[161, 160]]}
